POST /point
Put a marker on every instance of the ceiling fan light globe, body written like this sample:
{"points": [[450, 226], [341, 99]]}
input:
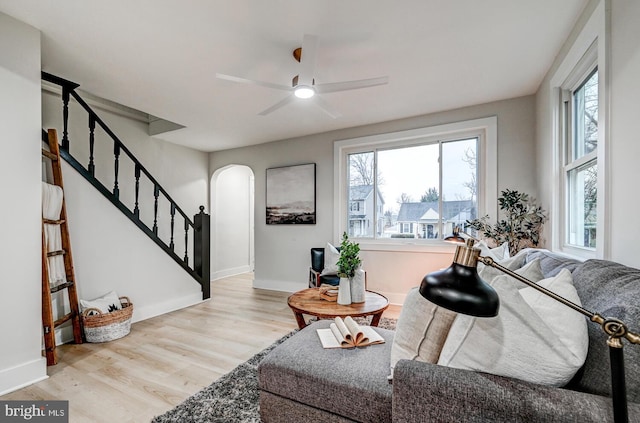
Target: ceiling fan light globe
{"points": [[304, 91]]}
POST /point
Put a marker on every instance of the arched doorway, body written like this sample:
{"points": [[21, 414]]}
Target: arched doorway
{"points": [[232, 221]]}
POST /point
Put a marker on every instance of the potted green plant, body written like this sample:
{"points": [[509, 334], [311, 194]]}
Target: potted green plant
{"points": [[348, 264], [521, 226], [349, 260]]}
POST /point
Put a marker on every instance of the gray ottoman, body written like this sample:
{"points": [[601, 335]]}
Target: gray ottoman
{"points": [[301, 381]]}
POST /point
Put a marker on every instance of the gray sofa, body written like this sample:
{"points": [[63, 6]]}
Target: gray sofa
{"points": [[300, 381]]}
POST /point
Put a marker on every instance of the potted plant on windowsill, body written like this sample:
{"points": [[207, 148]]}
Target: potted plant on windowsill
{"points": [[348, 267]]}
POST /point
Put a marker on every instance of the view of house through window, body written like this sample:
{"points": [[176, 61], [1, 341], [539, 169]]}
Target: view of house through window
{"points": [[581, 168], [413, 191]]}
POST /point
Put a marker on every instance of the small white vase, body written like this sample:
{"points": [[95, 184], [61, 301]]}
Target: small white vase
{"points": [[344, 291], [357, 287]]}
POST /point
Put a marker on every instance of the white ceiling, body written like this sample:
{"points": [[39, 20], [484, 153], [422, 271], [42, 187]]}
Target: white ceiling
{"points": [[161, 57]]}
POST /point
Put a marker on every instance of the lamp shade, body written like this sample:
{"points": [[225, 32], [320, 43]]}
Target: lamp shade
{"points": [[455, 236], [459, 288]]}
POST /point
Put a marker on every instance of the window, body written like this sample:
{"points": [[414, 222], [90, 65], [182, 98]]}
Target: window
{"points": [[580, 169], [579, 120], [579, 218], [415, 184]]}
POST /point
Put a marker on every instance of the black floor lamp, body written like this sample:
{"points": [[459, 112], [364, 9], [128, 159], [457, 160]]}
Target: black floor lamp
{"points": [[460, 289]]}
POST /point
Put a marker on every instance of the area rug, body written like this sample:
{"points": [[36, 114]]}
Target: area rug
{"points": [[234, 397]]}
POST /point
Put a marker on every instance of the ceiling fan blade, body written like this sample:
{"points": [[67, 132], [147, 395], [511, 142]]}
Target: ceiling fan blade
{"points": [[326, 107], [278, 105], [308, 59], [253, 82], [333, 87]]}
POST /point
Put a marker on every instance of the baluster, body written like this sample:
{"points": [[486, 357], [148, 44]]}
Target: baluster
{"points": [[186, 240], [156, 193], [116, 153], [173, 214], [65, 118], [92, 128], [136, 210]]}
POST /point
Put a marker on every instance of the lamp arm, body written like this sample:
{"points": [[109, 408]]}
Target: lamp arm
{"points": [[616, 329]]}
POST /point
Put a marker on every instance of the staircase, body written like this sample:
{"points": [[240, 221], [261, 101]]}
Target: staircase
{"points": [[194, 232]]}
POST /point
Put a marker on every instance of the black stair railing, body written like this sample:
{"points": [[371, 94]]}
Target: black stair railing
{"points": [[197, 230]]}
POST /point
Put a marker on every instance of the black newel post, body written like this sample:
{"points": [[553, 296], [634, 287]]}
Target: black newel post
{"points": [[202, 251]]}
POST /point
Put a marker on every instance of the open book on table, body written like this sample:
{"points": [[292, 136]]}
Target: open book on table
{"points": [[348, 334]]}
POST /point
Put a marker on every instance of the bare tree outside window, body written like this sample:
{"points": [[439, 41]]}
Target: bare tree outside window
{"points": [[470, 159], [404, 198], [361, 169]]}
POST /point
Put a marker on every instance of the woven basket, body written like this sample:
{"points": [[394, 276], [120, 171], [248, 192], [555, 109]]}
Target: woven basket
{"points": [[103, 327]]}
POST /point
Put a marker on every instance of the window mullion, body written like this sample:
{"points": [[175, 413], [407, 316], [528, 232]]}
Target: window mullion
{"points": [[440, 191], [375, 193]]}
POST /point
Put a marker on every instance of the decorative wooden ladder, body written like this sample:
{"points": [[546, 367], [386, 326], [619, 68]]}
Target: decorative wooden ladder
{"points": [[48, 322]]}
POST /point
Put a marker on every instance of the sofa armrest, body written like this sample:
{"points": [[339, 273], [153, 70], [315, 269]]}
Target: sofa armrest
{"points": [[425, 392]]}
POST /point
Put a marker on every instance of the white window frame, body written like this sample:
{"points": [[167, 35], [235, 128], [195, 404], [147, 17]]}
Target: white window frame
{"points": [[588, 51], [485, 129]]}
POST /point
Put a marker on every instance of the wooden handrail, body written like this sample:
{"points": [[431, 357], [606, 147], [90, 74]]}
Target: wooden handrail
{"points": [[200, 235], [124, 148]]}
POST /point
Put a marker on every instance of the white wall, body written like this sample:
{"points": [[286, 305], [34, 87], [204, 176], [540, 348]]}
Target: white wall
{"points": [[622, 144], [109, 251], [232, 197], [21, 362], [282, 251]]}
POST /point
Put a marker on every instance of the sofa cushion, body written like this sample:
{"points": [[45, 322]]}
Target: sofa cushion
{"points": [[421, 330], [612, 290], [533, 338], [531, 271], [428, 393], [551, 263], [351, 383]]}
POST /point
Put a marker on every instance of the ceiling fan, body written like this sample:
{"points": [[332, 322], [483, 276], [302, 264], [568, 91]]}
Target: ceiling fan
{"points": [[303, 85]]}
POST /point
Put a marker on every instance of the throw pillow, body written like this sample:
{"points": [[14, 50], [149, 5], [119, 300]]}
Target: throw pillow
{"points": [[107, 303], [499, 253], [331, 256], [421, 330], [531, 271], [533, 338]]}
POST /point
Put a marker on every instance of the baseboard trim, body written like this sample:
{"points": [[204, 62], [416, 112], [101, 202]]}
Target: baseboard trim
{"points": [[64, 334], [25, 374], [278, 285], [153, 310], [230, 272]]}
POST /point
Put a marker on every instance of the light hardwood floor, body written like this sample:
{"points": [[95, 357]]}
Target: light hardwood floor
{"points": [[166, 359]]}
